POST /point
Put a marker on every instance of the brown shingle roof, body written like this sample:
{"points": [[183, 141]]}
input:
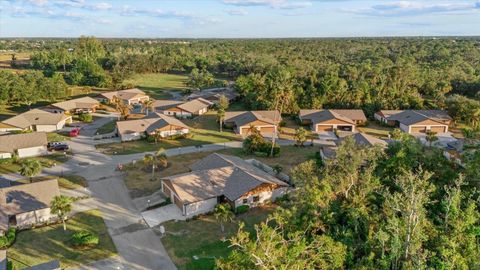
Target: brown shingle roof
{"points": [[10, 143], [148, 124], [164, 104], [195, 105], [27, 197], [242, 118], [319, 116], [35, 117], [77, 103], [217, 175], [124, 94]]}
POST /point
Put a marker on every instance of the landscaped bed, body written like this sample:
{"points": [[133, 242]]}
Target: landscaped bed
{"points": [[203, 238], [49, 243], [107, 128]]}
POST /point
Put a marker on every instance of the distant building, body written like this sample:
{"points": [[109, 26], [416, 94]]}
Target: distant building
{"points": [[165, 125], [128, 96], [214, 95], [36, 120], [330, 120], [416, 121], [23, 145], [182, 109], [266, 122]]}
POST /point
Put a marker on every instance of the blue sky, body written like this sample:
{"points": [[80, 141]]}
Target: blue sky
{"points": [[237, 18]]}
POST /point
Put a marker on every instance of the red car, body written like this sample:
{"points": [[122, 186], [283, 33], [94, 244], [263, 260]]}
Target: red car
{"points": [[74, 132]]}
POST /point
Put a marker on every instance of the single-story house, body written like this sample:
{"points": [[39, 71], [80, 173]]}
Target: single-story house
{"points": [[383, 115], [23, 145], [242, 121], [36, 120], [363, 139], [128, 96], [221, 178], [165, 125], [417, 121], [77, 105], [330, 120], [27, 204], [214, 95], [182, 109]]}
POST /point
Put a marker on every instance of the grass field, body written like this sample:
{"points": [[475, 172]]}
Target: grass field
{"points": [[375, 129], [154, 84], [203, 238], [48, 243], [55, 137], [65, 181], [107, 128]]}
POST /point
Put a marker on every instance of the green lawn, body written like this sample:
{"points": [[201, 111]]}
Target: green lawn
{"points": [[8, 166], [107, 128], [202, 238], [375, 129], [56, 137], [48, 243], [154, 83], [65, 181]]}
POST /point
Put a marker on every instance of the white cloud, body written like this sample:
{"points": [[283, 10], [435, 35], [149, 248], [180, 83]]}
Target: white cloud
{"points": [[237, 12], [100, 6], [408, 8], [277, 4]]}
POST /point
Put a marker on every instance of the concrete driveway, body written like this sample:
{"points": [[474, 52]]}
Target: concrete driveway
{"points": [[162, 214], [326, 138], [443, 139]]}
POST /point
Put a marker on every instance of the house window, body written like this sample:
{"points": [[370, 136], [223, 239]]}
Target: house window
{"points": [[245, 201], [256, 198]]}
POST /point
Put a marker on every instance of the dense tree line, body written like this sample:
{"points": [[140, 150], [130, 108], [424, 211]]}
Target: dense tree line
{"points": [[348, 73], [30, 87], [408, 208]]}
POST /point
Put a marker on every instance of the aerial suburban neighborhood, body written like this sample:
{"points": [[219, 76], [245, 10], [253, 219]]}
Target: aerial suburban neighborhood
{"points": [[273, 145]]}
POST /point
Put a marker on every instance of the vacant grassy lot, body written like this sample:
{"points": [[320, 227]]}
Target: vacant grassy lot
{"points": [[65, 181], [139, 180], [203, 238], [48, 243], [107, 128], [55, 137], [8, 166], [375, 129], [154, 84]]}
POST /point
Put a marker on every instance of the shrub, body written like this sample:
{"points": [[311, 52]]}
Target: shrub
{"points": [[8, 239], [242, 209], [84, 239], [85, 117]]}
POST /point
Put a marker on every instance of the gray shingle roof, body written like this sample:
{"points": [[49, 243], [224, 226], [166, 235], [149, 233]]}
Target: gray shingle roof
{"points": [[27, 197], [364, 139], [217, 175], [51, 265], [195, 105], [148, 124], [124, 94], [77, 103], [242, 118], [319, 116], [164, 104], [35, 117], [10, 143], [410, 117]]}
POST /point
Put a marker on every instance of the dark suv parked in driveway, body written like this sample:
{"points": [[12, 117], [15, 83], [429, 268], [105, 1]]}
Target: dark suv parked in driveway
{"points": [[57, 146]]}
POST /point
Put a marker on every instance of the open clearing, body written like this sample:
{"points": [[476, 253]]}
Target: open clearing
{"points": [[49, 243], [155, 84]]}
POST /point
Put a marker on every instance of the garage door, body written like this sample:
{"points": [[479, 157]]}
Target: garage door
{"points": [[438, 129], [324, 128], [267, 130], [417, 130], [245, 131]]}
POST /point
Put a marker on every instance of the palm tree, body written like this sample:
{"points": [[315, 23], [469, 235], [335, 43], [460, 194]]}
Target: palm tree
{"points": [[223, 213], [30, 168], [431, 137], [221, 116], [158, 159], [61, 206], [147, 104]]}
